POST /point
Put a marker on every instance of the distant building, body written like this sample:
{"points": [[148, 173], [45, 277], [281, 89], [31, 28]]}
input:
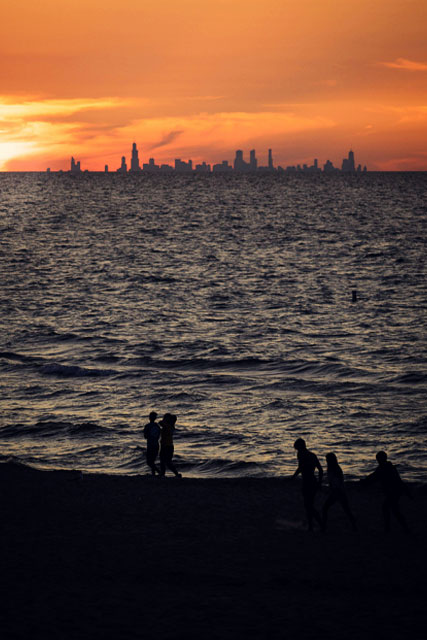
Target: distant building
{"points": [[48, 170], [106, 168], [348, 165], [203, 168], [269, 168], [150, 166], [183, 167], [134, 163], [253, 162], [166, 168], [222, 167], [75, 166], [123, 167], [313, 168], [328, 167], [239, 163]]}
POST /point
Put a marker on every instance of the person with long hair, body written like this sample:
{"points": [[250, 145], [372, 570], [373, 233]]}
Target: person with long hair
{"points": [[166, 444], [336, 491]]}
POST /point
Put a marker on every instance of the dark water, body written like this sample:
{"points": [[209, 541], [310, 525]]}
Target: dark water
{"points": [[224, 299]]}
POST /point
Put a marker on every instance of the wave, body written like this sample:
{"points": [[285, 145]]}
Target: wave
{"points": [[412, 377], [221, 466], [55, 368], [11, 355], [201, 363], [52, 429], [185, 397], [278, 365], [73, 371], [415, 427], [324, 387], [13, 465]]}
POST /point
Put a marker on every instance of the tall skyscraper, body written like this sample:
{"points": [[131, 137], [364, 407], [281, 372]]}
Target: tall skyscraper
{"points": [[253, 162], [348, 165], [270, 159], [123, 167], [75, 166], [239, 163], [134, 163]]}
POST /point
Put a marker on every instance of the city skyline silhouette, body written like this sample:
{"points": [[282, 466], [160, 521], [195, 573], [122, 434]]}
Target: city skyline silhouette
{"points": [[239, 165]]}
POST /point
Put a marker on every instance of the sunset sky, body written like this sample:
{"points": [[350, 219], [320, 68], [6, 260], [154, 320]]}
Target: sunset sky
{"points": [[198, 79]]}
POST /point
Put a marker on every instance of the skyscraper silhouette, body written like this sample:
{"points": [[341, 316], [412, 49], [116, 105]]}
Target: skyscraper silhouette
{"points": [[348, 165], [239, 163], [253, 162], [134, 163], [75, 166], [123, 166]]}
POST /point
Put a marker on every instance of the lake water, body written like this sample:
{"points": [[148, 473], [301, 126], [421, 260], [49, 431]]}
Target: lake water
{"points": [[226, 300]]}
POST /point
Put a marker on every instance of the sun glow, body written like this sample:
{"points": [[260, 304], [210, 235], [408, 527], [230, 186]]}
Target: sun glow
{"points": [[10, 150]]}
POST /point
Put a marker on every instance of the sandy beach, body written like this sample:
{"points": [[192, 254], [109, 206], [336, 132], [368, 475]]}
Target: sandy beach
{"points": [[140, 557]]}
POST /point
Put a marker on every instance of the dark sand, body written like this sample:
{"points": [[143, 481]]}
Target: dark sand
{"points": [[139, 557]]}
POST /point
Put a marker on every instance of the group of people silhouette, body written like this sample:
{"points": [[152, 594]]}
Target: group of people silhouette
{"points": [[159, 435], [386, 474]]}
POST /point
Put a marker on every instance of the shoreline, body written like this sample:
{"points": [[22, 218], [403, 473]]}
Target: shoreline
{"points": [[135, 556], [187, 473]]}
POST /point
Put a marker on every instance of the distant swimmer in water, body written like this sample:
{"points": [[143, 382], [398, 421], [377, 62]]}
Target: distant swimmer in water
{"points": [[152, 435], [166, 444], [307, 464], [336, 491], [392, 487]]}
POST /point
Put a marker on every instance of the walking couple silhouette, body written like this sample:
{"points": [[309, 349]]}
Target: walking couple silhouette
{"points": [[162, 431]]}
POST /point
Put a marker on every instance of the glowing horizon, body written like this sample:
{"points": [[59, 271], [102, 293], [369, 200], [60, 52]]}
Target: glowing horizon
{"points": [[185, 81]]}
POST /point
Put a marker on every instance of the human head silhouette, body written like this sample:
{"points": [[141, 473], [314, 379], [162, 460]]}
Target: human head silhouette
{"points": [[168, 419], [381, 457], [300, 445], [152, 416], [331, 460]]}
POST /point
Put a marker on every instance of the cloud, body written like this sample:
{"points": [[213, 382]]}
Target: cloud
{"points": [[35, 109], [406, 65], [32, 126], [167, 139]]}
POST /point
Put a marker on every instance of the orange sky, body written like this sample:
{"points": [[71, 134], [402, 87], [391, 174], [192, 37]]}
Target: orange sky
{"points": [[198, 79]]}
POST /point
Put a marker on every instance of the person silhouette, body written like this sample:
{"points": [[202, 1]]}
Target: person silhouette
{"points": [[336, 491], [152, 435], [307, 464], [392, 487], [166, 444]]}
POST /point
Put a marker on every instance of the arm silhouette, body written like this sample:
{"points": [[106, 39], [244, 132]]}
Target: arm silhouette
{"points": [[319, 467]]}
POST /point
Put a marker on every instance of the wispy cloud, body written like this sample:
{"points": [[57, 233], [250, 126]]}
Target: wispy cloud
{"points": [[26, 109], [406, 65], [167, 139]]}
